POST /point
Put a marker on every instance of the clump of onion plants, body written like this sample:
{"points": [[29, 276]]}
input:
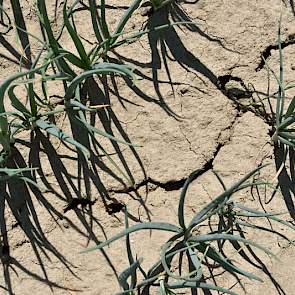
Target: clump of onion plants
{"points": [[53, 62], [203, 251]]}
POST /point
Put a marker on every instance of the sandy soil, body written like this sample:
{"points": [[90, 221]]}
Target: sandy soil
{"points": [[196, 110]]}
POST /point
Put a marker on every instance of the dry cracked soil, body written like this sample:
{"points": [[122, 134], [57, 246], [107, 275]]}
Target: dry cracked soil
{"points": [[201, 105]]}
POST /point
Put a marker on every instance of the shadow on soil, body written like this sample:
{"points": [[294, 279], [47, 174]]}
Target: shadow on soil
{"points": [[19, 196], [166, 46], [286, 177], [247, 254]]}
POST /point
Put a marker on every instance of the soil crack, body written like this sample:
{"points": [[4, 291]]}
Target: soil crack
{"points": [[188, 141], [290, 40], [170, 185], [235, 89]]}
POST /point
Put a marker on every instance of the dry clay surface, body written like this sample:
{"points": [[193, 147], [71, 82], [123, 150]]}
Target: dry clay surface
{"points": [[187, 116]]}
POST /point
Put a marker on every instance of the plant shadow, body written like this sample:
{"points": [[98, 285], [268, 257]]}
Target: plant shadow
{"points": [[18, 195], [24, 59], [166, 45], [286, 177], [70, 184]]}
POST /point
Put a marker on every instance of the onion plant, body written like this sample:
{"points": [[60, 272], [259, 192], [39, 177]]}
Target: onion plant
{"points": [[284, 131], [54, 62], [203, 250]]}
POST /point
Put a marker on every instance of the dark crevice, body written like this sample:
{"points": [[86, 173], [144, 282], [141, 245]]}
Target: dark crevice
{"points": [[235, 93], [171, 185], [168, 186], [223, 80], [267, 51], [21, 243], [242, 91]]}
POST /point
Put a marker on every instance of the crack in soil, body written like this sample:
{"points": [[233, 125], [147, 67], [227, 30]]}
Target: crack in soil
{"points": [[241, 91], [173, 185], [188, 141], [290, 40], [170, 185]]}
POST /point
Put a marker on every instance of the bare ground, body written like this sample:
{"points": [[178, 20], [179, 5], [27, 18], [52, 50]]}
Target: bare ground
{"points": [[197, 109]]}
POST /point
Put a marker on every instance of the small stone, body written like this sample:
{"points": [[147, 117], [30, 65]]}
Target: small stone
{"points": [[293, 67]]}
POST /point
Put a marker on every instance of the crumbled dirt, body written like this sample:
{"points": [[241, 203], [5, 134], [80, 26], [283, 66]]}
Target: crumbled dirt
{"points": [[202, 106]]}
